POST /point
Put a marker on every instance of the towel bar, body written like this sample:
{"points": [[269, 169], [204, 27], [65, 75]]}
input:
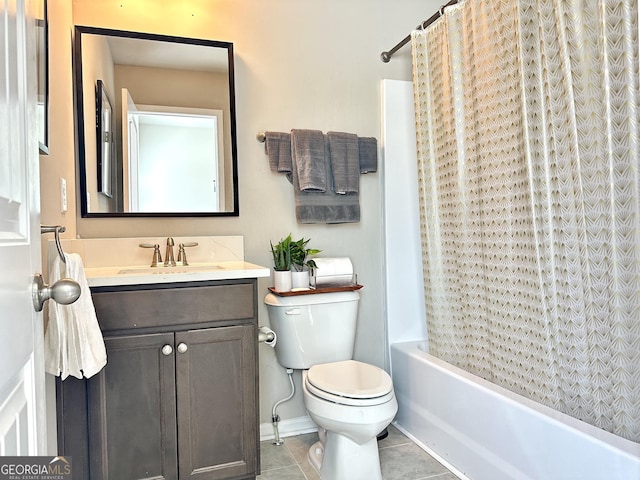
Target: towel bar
{"points": [[261, 137], [57, 230]]}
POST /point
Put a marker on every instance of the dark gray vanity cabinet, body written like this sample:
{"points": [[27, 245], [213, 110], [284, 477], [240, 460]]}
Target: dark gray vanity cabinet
{"points": [[132, 410], [178, 397]]}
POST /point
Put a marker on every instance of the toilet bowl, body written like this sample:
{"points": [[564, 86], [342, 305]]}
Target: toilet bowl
{"points": [[351, 402]]}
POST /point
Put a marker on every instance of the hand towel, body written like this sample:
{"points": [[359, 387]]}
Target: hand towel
{"points": [[368, 148], [277, 146], [325, 207], [345, 162], [308, 155], [73, 340]]}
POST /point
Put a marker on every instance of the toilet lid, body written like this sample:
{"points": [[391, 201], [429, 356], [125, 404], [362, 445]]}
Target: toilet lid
{"points": [[350, 379]]}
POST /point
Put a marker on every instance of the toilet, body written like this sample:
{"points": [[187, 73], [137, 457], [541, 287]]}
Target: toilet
{"points": [[350, 401]]}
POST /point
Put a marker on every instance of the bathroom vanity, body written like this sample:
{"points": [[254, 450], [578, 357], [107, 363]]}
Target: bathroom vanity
{"points": [[178, 397]]}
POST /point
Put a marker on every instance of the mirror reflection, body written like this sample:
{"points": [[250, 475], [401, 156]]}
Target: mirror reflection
{"points": [[170, 149]]}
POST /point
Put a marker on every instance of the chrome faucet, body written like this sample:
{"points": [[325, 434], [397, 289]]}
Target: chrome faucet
{"points": [[169, 260]]}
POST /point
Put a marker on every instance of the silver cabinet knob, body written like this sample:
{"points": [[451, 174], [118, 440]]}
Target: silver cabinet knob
{"points": [[167, 350], [182, 347], [64, 291]]}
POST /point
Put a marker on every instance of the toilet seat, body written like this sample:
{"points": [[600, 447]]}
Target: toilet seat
{"points": [[350, 383]]}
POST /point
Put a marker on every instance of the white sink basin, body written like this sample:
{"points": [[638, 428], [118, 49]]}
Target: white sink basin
{"points": [[162, 270]]}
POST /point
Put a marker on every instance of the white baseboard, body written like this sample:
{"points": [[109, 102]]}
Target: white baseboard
{"points": [[288, 428]]}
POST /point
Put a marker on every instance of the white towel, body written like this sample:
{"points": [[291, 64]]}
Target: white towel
{"points": [[73, 341]]}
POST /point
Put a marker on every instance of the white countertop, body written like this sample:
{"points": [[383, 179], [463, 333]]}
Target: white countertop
{"points": [[134, 275]]}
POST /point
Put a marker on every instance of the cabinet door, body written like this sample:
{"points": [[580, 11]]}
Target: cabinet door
{"points": [[216, 396], [132, 420]]}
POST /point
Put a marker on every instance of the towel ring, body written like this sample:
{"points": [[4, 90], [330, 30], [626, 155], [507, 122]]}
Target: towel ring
{"points": [[57, 230]]}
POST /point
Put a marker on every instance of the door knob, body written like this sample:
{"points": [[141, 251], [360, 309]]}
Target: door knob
{"points": [[167, 350], [64, 291], [182, 347]]}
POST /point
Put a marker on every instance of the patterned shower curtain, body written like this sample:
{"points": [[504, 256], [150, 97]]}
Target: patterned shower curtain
{"points": [[528, 145]]}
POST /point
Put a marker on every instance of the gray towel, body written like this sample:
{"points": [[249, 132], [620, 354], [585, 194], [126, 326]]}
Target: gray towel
{"points": [[345, 162], [308, 154], [277, 146], [325, 207], [368, 147]]}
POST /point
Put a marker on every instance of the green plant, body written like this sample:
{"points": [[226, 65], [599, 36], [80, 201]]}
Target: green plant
{"points": [[299, 254], [282, 254]]}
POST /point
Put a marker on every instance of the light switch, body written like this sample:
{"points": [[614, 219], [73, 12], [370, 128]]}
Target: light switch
{"points": [[63, 195]]}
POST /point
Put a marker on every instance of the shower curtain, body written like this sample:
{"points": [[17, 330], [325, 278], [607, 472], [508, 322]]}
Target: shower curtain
{"points": [[529, 181]]}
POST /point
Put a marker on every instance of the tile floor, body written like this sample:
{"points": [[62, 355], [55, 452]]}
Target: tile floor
{"points": [[400, 459]]}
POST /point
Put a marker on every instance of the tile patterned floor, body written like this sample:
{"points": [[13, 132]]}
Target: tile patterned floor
{"points": [[400, 459]]}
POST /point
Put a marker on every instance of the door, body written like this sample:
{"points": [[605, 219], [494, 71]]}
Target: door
{"points": [[216, 402], [132, 411], [22, 409], [180, 149], [129, 122]]}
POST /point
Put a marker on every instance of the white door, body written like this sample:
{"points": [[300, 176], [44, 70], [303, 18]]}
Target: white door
{"points": [[129, 121], [22, 409]]}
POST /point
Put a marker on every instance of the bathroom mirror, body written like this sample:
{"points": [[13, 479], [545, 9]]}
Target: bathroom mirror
{"points": [[172, 144]]}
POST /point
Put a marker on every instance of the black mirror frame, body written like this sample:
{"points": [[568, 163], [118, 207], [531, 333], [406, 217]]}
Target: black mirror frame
{"points": [[80, 108]]}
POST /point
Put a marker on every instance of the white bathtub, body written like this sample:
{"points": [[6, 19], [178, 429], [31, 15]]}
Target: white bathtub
{"points": [[485, 432]]}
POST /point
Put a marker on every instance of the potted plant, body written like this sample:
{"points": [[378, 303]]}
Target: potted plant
{"points": [[282, 264], [301, 263]]}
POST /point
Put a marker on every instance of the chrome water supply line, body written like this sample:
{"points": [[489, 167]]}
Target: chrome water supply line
{"points": [[275, 418]]}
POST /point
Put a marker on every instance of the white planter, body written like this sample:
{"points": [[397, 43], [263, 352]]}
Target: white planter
{"points": [[300, 279], [282, 280]]}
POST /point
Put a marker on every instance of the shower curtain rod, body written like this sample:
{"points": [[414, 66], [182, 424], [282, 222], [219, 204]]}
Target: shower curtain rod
{"points": [[386, 56]]}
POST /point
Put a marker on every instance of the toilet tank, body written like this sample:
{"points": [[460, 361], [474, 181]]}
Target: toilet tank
{"points": [[313, 328]]}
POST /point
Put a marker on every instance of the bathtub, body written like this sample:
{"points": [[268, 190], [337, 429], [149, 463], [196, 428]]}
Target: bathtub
{"points": [[484, 432]]}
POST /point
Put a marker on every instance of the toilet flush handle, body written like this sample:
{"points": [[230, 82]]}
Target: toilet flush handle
{"points": [[293, 311]]}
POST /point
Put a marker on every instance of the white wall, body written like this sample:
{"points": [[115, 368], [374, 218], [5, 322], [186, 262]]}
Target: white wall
{"points": [[298, 65], [405, 311]]}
